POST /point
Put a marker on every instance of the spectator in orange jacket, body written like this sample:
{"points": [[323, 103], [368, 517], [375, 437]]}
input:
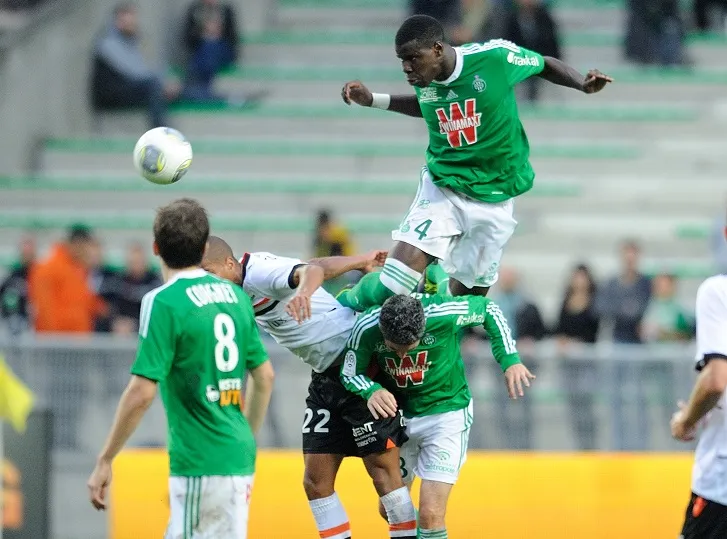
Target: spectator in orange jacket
{"points": [[59, 291]]}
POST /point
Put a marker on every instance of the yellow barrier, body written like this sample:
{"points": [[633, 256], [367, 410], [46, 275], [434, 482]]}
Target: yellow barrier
{"points": [[503, 496]]}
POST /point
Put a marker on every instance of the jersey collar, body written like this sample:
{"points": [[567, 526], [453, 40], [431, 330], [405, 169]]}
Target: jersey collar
{"points": [[458, 65]]}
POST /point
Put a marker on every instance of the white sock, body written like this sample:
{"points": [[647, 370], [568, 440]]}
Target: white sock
{"points": [[440, 533], [331, 517], [400, 513], [398, 277]]}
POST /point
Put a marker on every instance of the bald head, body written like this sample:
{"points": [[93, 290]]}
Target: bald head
{"points": [[218, 249], [220, 260]]}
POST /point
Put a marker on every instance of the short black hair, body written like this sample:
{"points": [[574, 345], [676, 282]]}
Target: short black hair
{"points": [[422, 29], [79, 232], [181, 230], [402, 320]]}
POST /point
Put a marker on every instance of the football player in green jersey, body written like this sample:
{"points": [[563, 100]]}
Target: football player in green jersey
{"points": [[477, 160], [414, 341], [197, 339]]}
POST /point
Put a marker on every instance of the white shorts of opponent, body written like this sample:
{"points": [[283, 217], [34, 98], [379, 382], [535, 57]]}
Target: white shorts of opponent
{"points": [[211, 507], [437, 446], [466, 235]]}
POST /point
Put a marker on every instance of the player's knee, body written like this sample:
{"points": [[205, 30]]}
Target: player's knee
{"points": [[317, 486], [385, 480], [431, 518]]}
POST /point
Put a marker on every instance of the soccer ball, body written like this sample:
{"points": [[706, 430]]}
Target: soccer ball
{"points": [[162, 155]]}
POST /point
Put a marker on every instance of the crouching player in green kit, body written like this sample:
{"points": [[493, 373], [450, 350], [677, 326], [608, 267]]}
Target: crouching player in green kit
{"points": [[414, 340]]}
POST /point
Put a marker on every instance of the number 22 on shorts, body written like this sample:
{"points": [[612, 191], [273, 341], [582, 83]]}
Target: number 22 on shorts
{"points": [[320, 427]]}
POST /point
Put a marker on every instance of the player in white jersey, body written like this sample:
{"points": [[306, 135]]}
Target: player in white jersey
{"points": [[706, 516], [292, 307]]}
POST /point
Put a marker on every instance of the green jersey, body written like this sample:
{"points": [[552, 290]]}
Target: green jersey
{"points": [[431, 378], [197, 337], [477, 145]]}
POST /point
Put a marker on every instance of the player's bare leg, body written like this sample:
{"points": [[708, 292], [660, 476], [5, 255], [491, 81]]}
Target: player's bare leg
{"points": [[383, 468], [401, 274], [319, 483], [458, 289], [433, 498]]}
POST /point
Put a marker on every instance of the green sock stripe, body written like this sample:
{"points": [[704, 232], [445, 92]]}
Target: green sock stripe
{"points": [[410, 275], [434, 534], [400, 277], [196, 507]]}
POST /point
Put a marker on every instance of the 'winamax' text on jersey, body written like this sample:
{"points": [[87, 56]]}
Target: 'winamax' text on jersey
{"points": [[431, 378], [477, 144]]}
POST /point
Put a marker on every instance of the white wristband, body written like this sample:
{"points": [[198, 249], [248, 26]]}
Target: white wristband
{"points": [[381, 101]]}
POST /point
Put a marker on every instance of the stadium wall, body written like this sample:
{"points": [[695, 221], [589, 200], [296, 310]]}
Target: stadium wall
{"points": [[505, 495]]}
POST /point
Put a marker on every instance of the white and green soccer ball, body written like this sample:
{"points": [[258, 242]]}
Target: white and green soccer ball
{"points": [[162, 155]]}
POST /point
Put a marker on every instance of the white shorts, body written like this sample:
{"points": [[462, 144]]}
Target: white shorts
{"points": [[212, 507], [437, 446], [466, 235]]}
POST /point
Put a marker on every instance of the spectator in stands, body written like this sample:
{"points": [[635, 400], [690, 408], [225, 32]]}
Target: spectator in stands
{"points": [[703, 10], [622, 301], [578, 325], [102, 279], [332, 239], [137, 279], [63, 302], [59, 288], [14, 289], [212, 42], [654, 32], [447, 12], [526, 323], [529, 23], [121, 78], [665, 318]]}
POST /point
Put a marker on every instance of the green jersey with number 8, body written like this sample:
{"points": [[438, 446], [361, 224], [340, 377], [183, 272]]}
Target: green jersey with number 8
{"points": [[197, 337], [477, 144], [431, 378]]}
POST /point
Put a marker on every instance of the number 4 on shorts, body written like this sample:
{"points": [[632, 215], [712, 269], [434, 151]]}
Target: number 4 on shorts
{"points": [[422, 228]]}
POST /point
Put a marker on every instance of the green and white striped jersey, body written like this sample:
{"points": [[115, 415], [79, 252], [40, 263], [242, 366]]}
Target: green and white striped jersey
{"points": [[431, 378]]}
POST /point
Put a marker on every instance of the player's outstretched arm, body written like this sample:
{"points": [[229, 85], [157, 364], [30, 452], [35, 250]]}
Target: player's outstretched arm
{"points": [[257, 395], [306, 279], [335, 266], [356, 92], [134, 403], [560, 73]]}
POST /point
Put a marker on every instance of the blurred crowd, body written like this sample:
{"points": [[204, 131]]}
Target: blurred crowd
{"points": [[655, 31], [122, 78], [72, 291]]}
